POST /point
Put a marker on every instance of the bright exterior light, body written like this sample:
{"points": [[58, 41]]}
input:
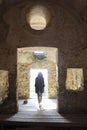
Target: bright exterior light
{"points": [[38, 17], [33, 75], [38, 22], [39, 54]]}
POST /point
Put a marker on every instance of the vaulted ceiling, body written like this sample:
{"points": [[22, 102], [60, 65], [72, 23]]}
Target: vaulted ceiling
{"points": [[78, 6]]}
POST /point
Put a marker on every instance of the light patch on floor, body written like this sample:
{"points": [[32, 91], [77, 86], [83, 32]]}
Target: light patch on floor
{"points": [[32, 105]]}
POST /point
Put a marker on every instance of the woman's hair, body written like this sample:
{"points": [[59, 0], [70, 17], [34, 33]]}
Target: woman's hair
{"points": [[40, 74]]}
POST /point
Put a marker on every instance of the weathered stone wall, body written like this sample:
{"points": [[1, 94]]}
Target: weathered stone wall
{"points": [[67, 31], [75, 79], [26, 61], [4, 85]]}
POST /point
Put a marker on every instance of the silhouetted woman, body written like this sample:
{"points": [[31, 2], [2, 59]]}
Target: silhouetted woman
{"points": [[39, 87]]}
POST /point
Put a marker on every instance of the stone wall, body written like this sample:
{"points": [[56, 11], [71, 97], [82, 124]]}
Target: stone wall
{"points": [[75, 79], [4, 85], [67, 31], [26, 61]]}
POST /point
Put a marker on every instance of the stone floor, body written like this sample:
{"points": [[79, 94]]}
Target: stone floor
{"points": [[29, 117], [32, 105]]}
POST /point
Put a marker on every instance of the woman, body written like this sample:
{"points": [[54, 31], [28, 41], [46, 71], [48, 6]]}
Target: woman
{"points": [[39, 87]]}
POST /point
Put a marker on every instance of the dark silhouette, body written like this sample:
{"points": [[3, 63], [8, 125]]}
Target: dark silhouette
{"points": [[39, 87]]}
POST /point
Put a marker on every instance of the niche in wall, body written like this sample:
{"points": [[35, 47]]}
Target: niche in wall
{"points": [[4, 85], [26, 61], [75, 80]]}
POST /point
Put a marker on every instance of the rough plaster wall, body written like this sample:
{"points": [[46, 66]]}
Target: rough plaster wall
{"points": [[65, 31]]}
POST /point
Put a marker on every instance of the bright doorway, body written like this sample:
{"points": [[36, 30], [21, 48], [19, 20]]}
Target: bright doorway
{"points": [[33, 75]]}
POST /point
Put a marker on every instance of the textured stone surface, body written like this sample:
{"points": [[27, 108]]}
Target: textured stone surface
{"points": [[26, 60], [4, 85], [75, 80]]}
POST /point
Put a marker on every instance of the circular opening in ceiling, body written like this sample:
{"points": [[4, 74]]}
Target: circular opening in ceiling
{"points": [[38, 17]]}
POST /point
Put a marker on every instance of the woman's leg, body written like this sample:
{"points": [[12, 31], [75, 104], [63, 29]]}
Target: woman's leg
{"points": [[40, 99]]}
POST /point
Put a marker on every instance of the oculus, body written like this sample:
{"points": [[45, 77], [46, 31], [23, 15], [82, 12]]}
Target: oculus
{"points": [[38, 17]]}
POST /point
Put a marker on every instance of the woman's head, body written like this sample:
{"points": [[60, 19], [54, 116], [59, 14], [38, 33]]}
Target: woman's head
{"points": [[40, 74]]}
